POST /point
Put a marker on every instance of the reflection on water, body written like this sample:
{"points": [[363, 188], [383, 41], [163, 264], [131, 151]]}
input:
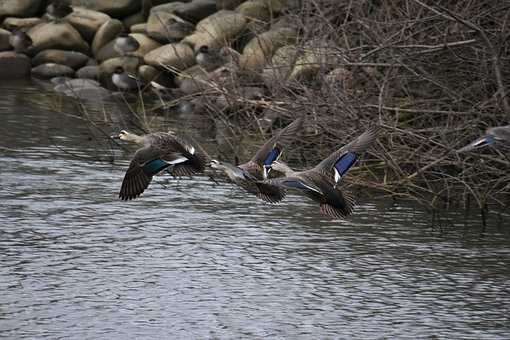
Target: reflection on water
{"points": [[195, 260]]}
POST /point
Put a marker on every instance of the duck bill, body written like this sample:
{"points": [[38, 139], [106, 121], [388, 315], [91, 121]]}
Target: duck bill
{"points": [[477, 144]]}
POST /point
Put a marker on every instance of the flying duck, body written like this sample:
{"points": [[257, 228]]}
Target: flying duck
{"points": [[498, 137]]}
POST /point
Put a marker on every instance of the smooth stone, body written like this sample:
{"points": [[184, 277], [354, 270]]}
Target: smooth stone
{"points": [[228, 4], [107, 52], [149, 73], [72, 59], [139, 28], [87, 21], [14, 65], [196, 10], [19, 8], [12, 23], [217, 29], [281, 65], [175, 56], [133, 19], [320, 57], [259, 10], [88, 72], [130, 64], [4, 40], [74, 83], [259, 50], [50, 70], [62, 35], [114, 8], [147, 5], [156, 27], [106, 33], [146, 44]]}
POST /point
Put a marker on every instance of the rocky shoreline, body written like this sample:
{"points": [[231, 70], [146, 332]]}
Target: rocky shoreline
{"points": [[253, 39]]}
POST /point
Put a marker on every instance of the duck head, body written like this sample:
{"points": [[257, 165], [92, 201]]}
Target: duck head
{"points": [[281, 167], [127, 136]]}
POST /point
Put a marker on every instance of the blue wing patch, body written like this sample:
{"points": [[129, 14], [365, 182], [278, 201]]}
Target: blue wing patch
{"points": [[344, 163], [272, 156], [154, 167]]}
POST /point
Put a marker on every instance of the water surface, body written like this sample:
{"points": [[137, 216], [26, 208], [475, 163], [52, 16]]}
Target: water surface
{"points": [[192, 260]]}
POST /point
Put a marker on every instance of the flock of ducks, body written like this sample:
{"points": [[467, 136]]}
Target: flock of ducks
{"points": [[165, 152]]}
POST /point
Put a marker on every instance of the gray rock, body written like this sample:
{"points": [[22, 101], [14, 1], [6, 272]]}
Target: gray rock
{"points": [[146, 44], [72, 59], [115, 8], [4, 40], [176, 56], [88, 72], [12, 23], [217, 29], [19, 8], [129, 64], [139, 28], [50, 70], [260, 10], [62, 35], [14, 65], [87, 21], [157, 26], [133, 19], [150, 74], [107, 52], [228, 4], [196, 10], [106, 33]]}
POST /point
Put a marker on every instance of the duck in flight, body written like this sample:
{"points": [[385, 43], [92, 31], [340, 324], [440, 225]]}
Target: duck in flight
{"points": [[250, 175], [321, 182], [160, 152], [498, 137]]}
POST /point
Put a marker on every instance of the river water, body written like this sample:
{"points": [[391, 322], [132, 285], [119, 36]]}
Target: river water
{"points": [[193, 260]]}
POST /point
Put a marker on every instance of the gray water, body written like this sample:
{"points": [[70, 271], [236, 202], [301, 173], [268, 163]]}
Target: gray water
{"points": [[191, 260]]}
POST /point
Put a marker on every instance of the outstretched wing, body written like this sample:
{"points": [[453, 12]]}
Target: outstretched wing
{"points": [[340, 161], [185, 157], [273, 148], [137, 179]]}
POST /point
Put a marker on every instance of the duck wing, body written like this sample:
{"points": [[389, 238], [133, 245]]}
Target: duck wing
{"points": [[339, 162], [185, 157], [140, 172], [273, 148]]}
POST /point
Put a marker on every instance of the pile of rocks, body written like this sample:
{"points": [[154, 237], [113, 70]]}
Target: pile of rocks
{"points": [[193, 45]]}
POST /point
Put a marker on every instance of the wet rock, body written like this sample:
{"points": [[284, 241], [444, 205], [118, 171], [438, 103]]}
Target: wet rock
{"points": [[17, 23], [133, 19], [139, 28], [260, 49], [228, 4], [14, 65], [260, 10], [116, 9], [19, 8], [87, 21], [160, 27], [146, 44], [196, 10], [4, 40], [217, 29], [176, 56], [130, 64], [107, 52], [106, 33], [72, 59], [88, 72], [62, 35], [50, 70]]}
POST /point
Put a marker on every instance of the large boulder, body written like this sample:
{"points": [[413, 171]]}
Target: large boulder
{"points": [[228, 4], [281, 65], [217, 29], [72, 59], [157, 27], [146, 44], [52, 35], [106, 52], [139, 28], [196, 10], [50, 70], [149, 73], [175, 56], [4, 40], [14, 65], [115, 8], [106, 33], [88, 72], [133, 19], [260, 10], [12, 23], [259, 50], [87, 21], [19, 8]]}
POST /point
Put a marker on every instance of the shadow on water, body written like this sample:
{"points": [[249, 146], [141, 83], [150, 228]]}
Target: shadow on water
{"points": [[197, 260]]}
